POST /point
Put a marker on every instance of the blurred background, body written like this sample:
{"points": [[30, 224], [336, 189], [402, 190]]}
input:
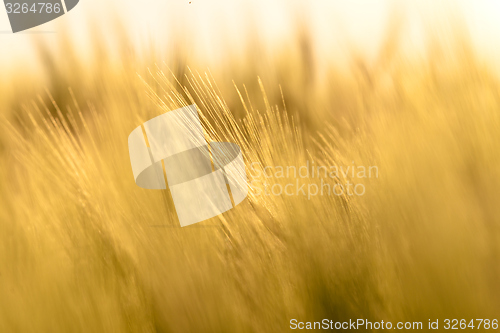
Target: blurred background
{"points": [[408, 86]]}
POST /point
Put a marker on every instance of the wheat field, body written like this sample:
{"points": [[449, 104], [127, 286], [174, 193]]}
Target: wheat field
{"points": [[84, 249]]}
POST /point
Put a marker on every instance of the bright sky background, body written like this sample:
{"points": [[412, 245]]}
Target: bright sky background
{"points": [[362, 22]]}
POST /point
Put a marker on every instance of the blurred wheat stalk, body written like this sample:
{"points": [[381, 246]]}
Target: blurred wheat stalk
{"points": [[82, 249]]}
